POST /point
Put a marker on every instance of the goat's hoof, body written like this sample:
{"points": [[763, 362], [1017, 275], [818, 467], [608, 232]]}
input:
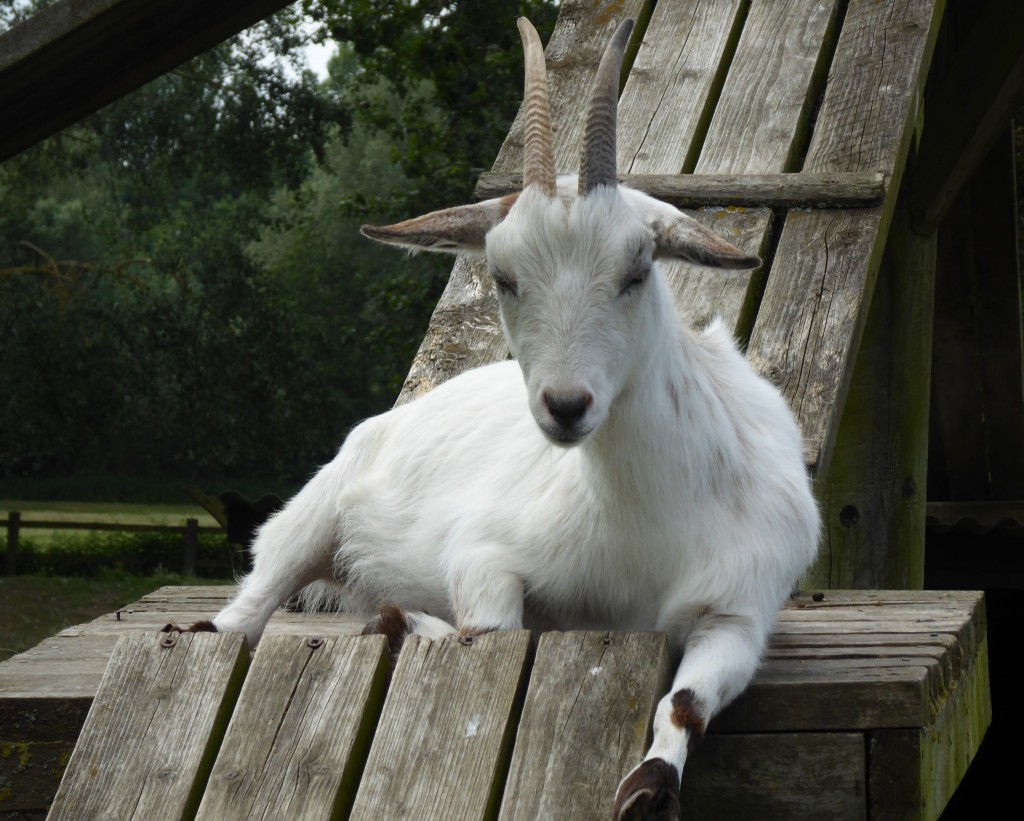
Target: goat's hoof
{"points": [[199, 627], [649, 793], [391, 623]]}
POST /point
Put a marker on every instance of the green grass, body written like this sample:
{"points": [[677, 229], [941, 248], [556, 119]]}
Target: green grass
{"points": [[35, 607]]}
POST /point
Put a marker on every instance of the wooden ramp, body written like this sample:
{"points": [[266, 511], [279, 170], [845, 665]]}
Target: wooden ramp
{"points": [[868, 705]]}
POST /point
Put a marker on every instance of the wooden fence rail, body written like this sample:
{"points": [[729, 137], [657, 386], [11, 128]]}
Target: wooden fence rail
{"points": [[190, 535]]}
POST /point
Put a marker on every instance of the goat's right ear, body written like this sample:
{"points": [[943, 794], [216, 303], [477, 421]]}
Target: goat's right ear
{"points": [[452, 230]]}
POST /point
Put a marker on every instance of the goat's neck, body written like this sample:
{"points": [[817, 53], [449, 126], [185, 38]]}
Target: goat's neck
{"points": [[663, 425]]}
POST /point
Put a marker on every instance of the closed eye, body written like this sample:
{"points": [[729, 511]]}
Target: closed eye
{"points": [[633, 282], [505, 284]]}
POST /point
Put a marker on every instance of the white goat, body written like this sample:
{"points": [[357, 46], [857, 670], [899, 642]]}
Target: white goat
{"points": [[623, 473]]}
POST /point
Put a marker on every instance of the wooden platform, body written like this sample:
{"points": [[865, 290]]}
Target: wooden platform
{"points": [[869, 705]]}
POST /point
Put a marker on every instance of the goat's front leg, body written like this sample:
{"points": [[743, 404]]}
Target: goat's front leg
{"points": [[719, 659], [486, 593]]}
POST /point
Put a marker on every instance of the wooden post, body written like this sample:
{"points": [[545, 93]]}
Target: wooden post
{"points": [[873, 495], [191, 546], [13, 526]]}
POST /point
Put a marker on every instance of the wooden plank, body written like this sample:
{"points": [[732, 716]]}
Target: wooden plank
{"points": [[915, 771], [301, 729], [810, 322], [757, 128], [29, 771], [586, 722], [464, 331], [873, 497], [443, 743], [672, 89], [778, 776], [162, 706], [783, 190]]}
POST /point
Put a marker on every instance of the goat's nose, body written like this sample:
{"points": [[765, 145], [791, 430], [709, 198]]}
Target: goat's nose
{"points": [[567, 409]]}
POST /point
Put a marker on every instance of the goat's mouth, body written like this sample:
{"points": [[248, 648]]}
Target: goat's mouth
{"points": [[565, 437]]}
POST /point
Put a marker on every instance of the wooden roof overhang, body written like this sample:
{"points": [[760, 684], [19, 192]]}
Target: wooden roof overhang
{"points": [[76, 56]]}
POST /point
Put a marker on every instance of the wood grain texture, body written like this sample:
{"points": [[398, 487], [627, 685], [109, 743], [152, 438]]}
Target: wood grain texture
{"points": [[301, 730], [673, 86], [789, 190], [873, 497], [777, 776], [149, 741], [464, 332], [758, 127], [809, 326], [443, 743], [585, 724]]}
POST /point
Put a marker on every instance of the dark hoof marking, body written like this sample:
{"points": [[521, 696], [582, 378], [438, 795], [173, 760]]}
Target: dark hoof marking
{"points": [[199, 627], [649, 793], [392, 624], [687, 715]]}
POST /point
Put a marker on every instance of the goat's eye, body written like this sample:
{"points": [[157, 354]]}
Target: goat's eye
{"points": [[505, 284], [632, 283]]}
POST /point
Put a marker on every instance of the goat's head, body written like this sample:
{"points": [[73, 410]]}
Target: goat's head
{"points": [[572, 261]]}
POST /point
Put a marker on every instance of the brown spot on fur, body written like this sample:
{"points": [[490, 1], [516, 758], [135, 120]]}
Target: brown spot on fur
{"points": [[650, 792], [392, 624], [686, 715], [203, 626], [472, 632]]}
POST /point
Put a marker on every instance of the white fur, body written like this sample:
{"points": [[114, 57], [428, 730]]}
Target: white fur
{"points": [[680, 503]]}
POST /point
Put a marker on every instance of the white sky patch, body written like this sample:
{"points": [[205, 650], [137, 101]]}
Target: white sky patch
{"points": [[317, 56]]}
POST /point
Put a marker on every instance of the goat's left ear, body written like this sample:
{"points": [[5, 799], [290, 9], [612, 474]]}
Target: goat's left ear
{"points": [[452, 230], [679, 235]]}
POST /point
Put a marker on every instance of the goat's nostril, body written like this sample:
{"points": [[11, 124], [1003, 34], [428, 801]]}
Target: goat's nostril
{"points": [[568, 409]]}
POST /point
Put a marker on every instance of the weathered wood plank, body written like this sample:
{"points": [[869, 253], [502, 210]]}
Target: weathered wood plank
{"points": [[443, 743], [758, 127], [162, 706], [778, 776], [914, 771], [585, 723], [873, 497], [810, 322], [782, 190], [464, 332], [300, 731], [672, 88]]}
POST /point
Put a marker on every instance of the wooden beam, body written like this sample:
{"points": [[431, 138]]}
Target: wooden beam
{"points": [[148, 744], [968, 108], [792, 190], [585, 723], [445, 736], [301, 730], [76, 56]]}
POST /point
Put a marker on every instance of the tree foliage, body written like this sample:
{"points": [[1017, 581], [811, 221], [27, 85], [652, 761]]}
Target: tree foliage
{"points": [[183, 289]]}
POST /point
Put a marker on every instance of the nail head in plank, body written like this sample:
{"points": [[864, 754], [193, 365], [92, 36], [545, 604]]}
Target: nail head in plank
{"points": [[585, 723], [301, 729], [154, 727], [442, 746]]}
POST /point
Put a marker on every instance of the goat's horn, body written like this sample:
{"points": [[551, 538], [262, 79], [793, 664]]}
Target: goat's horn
{"points": [[539, 161], [597, 164]]}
